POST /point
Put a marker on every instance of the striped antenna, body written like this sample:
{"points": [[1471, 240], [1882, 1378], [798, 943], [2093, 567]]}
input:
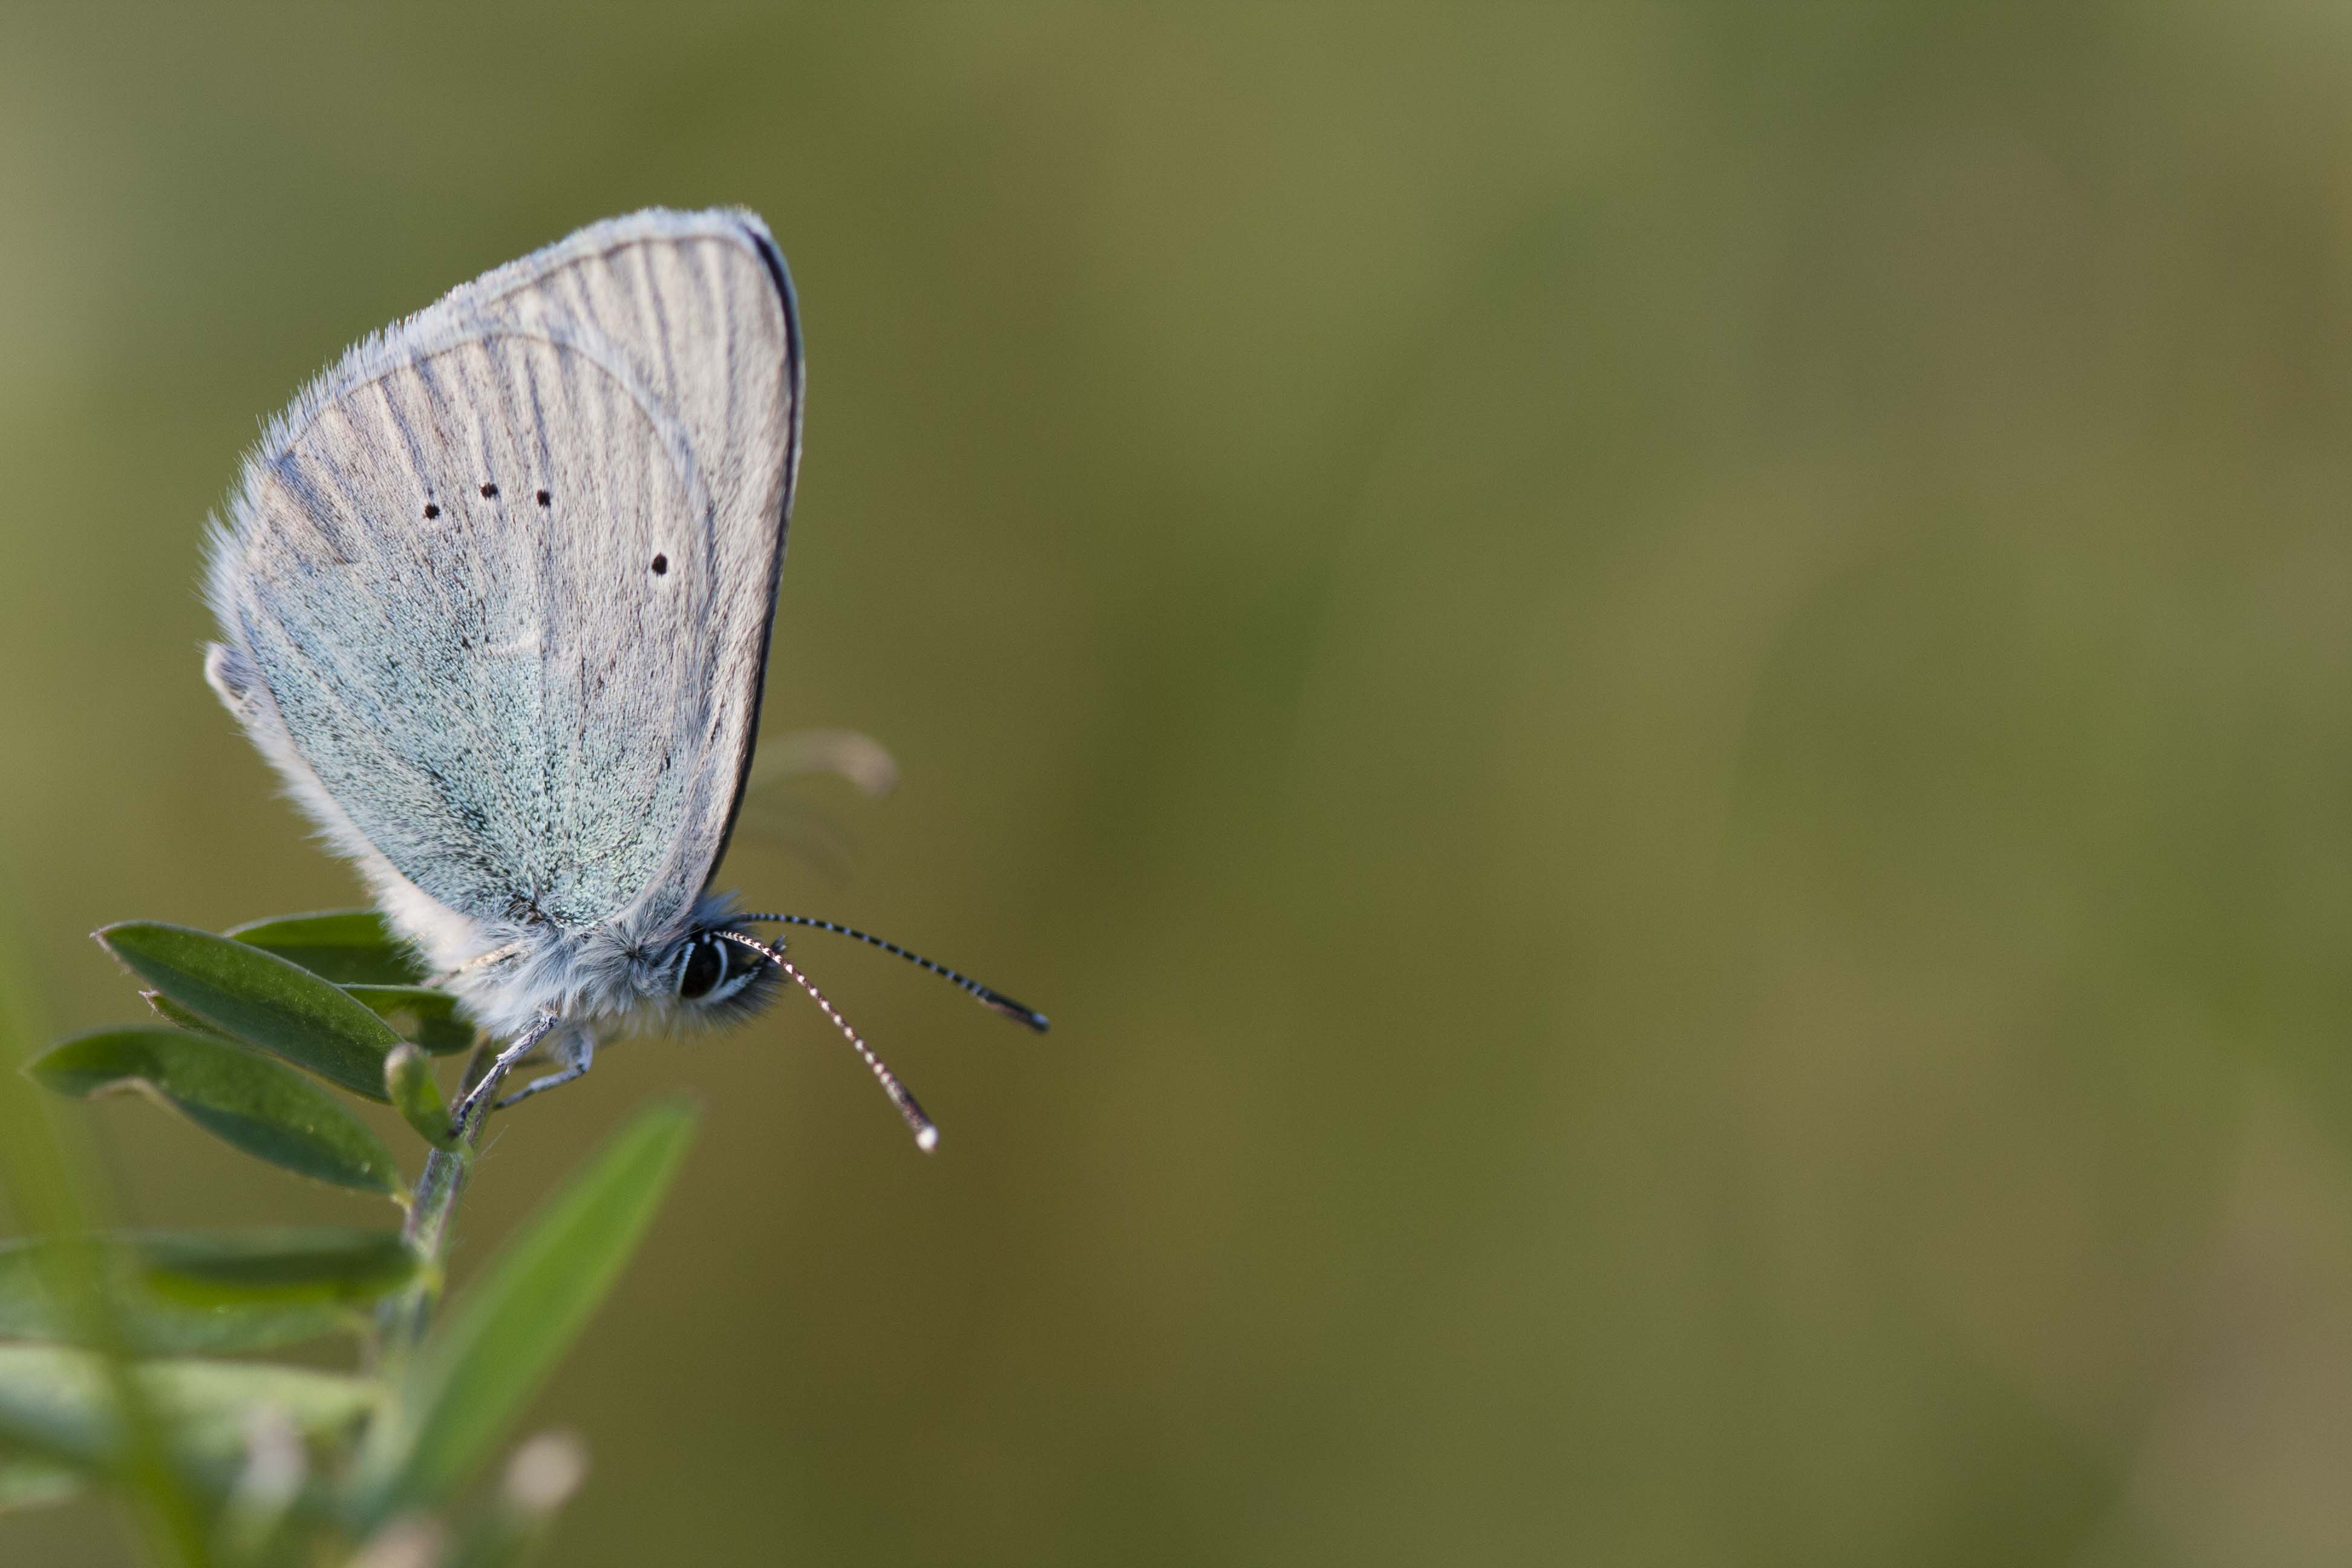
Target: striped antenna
{"points": [[927, 1135], [987, 998]]}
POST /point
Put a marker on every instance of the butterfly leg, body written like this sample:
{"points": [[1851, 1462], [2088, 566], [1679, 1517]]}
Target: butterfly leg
{"points": [[571, 1054], [520, 1046]]}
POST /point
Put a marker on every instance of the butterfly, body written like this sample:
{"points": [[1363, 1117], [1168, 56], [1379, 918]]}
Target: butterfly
{"points": [[494, 596]]}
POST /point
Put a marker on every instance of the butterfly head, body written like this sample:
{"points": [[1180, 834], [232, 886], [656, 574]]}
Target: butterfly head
{"points": [[717, 979]]}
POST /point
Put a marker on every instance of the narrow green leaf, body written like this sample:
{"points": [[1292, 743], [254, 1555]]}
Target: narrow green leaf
{"points": [[261, 998], [55, 1405], [170, 1012], [408, 1075], [207, 1400], [326, 1264], [475, 1373], [172, 1295], [268, 1112], [421, 1014], [350, 947], [35, 1483]]}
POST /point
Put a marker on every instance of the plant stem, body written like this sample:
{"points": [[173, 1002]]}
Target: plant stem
{"points": [[402, 1319]]}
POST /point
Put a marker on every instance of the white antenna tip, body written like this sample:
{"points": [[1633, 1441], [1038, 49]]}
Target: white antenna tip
{"points": [[928, 1139]]}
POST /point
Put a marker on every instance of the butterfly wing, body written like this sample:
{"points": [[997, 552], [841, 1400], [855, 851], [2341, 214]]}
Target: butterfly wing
{"points": [[496, 589]]}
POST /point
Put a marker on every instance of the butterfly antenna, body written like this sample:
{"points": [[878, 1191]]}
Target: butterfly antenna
{"points": [[987, 998], [927, 1134]]}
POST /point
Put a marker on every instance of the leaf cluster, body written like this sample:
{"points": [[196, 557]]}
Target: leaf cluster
{"points": [[126, 1358]]}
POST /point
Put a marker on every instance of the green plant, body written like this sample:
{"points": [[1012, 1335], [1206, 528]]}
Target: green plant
{"points": [[116, 1348]]}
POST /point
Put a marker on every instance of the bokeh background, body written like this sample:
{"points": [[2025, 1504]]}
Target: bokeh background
{"points": [[1662, 692]]}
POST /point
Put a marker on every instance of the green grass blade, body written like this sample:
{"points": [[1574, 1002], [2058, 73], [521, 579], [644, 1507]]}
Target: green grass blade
{"points": [[38, 1169], [262, 999], [420, 1014], [266, 1111], [350, 947], [471, 1378]]}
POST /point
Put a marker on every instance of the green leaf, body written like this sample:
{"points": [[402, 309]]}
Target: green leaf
{"points": [[261, 998], [474, 1375], [54, 1404], [421, 1014], [170, 1012], [408, 1075], [266, 1111], [350, 947], [35, 1483], [236, 1291], [334, 1265]]}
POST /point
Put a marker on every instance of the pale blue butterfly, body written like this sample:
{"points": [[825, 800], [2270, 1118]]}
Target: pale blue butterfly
{"points": [[495, 594]]}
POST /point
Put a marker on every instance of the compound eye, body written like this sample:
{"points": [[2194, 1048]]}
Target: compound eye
{"points": [[706, 965]]}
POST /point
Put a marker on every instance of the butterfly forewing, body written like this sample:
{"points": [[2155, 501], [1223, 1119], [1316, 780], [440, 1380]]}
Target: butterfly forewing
{"points": [[504, 575]]}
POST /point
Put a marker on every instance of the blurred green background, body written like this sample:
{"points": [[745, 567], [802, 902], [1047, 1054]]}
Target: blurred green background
{"points": [[1661, 693]]}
